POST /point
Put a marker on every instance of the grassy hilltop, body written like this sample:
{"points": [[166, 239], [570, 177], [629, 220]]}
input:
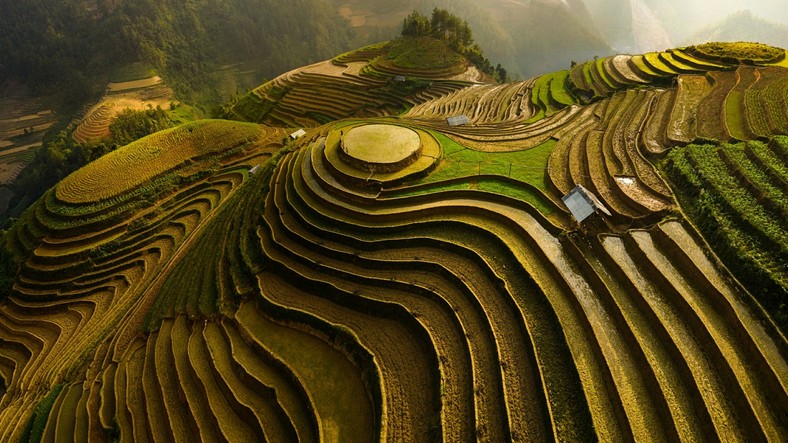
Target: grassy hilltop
{"points": [[218, 280]]}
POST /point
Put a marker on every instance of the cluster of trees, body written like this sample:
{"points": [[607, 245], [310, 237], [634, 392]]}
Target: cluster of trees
{"points": [[456, 33], [8, 268], [132, 125], [443, 25]]}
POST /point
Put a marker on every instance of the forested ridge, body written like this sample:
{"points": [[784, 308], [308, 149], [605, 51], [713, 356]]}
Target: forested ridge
{"points": [[455, 32], [70, 46]]}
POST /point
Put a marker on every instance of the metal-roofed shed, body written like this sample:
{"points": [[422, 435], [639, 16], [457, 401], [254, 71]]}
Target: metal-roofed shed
{"points": [[582, 203], [458, 120], [297, 134]]}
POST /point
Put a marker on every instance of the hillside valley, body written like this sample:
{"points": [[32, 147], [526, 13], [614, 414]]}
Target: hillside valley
{"points": [[398, 244]]}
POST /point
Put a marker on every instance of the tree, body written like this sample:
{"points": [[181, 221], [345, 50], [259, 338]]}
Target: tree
{"points": [[416, 25], [456, 33], [440, 22], [502, 75], [130, 125], [8, 268]]}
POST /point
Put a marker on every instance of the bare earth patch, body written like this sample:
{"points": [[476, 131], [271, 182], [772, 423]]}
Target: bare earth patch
{"points": [[325, 68], [134, 84], [472, 74]]}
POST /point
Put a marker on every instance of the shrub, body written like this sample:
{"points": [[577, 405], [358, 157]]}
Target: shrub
{"points": [[131, 125], [35, 426], [8, 268], [737, 51]]}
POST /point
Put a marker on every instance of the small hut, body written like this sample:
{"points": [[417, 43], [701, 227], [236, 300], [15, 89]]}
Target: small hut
{"points": [[582, 203], [297, 134], [458, 120]]}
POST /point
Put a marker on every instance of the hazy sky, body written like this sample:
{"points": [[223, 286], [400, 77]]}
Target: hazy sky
{"points": [[705, 12], [709, 11], [682, 21]]}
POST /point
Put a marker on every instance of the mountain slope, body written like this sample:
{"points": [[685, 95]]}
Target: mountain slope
{"points": [[43, 41], [209, 282], [743, 26], [376, 80]]}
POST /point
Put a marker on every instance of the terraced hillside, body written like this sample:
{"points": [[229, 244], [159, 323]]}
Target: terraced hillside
{"points": [[393, 277], [373, 81], [24, 119], [137, 94]]}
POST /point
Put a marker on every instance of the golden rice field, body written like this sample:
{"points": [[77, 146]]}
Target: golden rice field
{"points": [[212, 283], [137, 163]]}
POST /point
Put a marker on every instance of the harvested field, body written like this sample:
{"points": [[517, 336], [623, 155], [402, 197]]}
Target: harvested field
{"points": [[24, 120], [133, 84], [683, 123], [711, 110]]}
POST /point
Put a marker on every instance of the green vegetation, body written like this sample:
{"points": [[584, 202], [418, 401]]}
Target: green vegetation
{"points": [[43, 42], [62, 155], [8, 267], [550, 94], [38, 421], [410, 85], [443, 25], [423, 53], [757, 52], [132, 71], [250, 107], [58, 157], [559, 91], [364, 54], [452, 30], [214, 272], [217, 281], [127, 168], [526, 166], [739, 209], [131, 125]]}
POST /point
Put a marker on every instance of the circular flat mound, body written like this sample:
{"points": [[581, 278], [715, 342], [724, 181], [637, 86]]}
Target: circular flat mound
{"points": [[381, 144]]}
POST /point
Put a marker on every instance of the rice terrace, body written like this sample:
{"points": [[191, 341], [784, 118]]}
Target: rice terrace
{"points": [[407, 270]]}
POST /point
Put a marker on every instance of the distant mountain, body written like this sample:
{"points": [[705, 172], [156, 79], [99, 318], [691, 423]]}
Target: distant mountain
{"points": [[545, 34], [632, 25], [649, 32], [625, 23], [743, 26]]}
